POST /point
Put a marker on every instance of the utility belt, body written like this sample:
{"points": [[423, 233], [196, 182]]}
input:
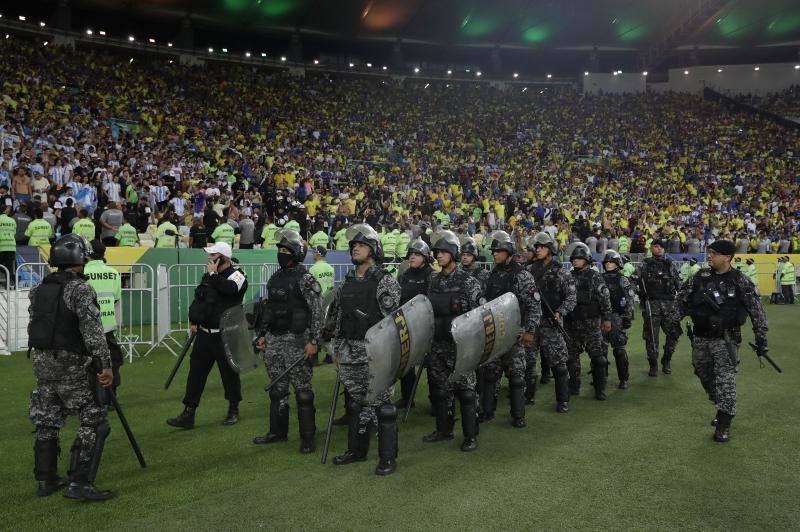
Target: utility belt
{"points": [[209, 331]]}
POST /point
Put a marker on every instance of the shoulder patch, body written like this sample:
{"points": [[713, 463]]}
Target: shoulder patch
{"points": [[537, 296], [238, 278]]}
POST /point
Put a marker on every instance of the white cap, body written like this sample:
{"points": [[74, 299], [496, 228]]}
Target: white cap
{"points": [[222, 248]]}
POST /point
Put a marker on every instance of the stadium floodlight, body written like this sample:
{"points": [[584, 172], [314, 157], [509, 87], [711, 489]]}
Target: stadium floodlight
{"points": [[757, 69], [467, 71], [22, 18], [283, 58], [526, 88], [644, 73], [369, 65], [516, 75], [586, 73], [211, 50], [89, 32], [549, 76], [7, 35], [449, 72], [224, 50], [151, 40], [42, 24], [719, 70], [247, 54], [131, 60], [46, 43], [131, 38], [263, 54], [171, 61], [384, 67], [101, 32], [427, 85], [352, 65], [478, 73], [797, 67], [416, 70], [685, 72], [316, 61], [169, 44]]}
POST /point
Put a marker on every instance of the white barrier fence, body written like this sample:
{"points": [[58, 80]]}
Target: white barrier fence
{"points": [[5, 312]]}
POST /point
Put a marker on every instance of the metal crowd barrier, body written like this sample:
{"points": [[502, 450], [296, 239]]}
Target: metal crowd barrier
{"points": [[6, 313]]}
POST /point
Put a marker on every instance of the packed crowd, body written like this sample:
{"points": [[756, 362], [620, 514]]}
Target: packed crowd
{"points": [[785, 103], [153, 152]]}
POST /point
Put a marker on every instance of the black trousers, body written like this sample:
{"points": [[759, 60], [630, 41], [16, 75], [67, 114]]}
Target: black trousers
{"points": [[8, 259], [788, 294], [207, 350]]}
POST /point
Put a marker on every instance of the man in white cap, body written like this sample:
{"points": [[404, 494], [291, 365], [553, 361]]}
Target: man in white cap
{"points": [[221, 288]]}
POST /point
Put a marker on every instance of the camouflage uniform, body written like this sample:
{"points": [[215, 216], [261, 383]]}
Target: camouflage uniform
{"points": [[64, 385], [622, 294], [657, 281], [717, 333], [352, 354], [478, 272], [512, 363], [584, 331], [284, 348], [535, 268], [557, 288]]}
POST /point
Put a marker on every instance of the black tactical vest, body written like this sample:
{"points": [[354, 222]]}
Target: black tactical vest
{"points": [[619, 299], [549, 287], [501, 281], [446, 302], [286, 307], [413, 282], [358, 300], [53, 326], [209, 303], [714, 305], [657, 279], [588, 306]]}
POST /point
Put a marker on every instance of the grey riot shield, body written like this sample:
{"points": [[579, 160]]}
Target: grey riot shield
{"points": [[485, 333], [398, 342], [237, 337]]}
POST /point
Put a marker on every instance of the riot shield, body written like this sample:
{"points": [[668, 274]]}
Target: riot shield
{"points": [[398, 342], [485, 333], [238, 336]]}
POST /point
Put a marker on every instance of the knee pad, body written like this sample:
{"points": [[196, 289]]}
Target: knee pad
{"points": [[354, 408], [305, 397], [600, 361], [387, 412], [102, 431], [276, 395]]}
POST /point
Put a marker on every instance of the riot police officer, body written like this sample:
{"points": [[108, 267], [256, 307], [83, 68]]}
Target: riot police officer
{"points": [[509, 276], [659, 279], [557, 288], [65, 333], [221, 288], [413, 281], [469, 261], [452, 292], [535, 267], [584, 324], [621, 294], [290, 325], [368, 294], [718, 300]]}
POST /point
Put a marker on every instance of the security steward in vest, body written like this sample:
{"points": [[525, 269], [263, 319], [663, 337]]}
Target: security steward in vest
{"points": [[510, 276], [413, 282], [368, 294], [452, 292], [584, 324], [469, 261], [659, 279], [718, 300], [621, 294], [107, 282], [557, 288], [290, 326], [70, 355], [221, 288]]}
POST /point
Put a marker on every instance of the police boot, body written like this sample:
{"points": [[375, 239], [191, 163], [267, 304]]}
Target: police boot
{"points": [[232, 418], [665, 363], [562, 389], [574, 370], [469, 419], [185, 419], [357, 444], [653, 367], [444, 418], [45, 470], [516, 395], [345, 419], [406, 386], [623, 371], [600, 376], [722, 432], [488, 399], [530, 392], [278, 420], [387, 440], [305, 418], [83, 474]]}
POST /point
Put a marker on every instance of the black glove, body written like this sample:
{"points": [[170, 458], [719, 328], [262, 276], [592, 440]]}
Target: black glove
{"points": [[626, 323], [327, 335]]}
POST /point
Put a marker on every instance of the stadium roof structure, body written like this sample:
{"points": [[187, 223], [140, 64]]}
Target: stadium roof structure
{"points": [[633, 33]]}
